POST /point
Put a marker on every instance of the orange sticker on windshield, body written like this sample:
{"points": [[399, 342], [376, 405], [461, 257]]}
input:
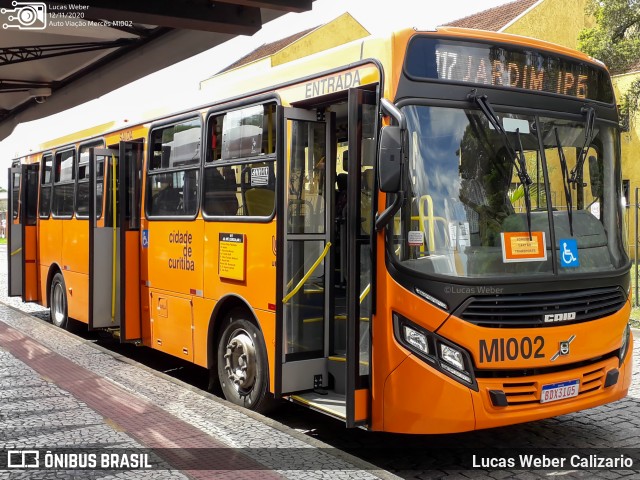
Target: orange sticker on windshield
{"points": [[519, 247]]}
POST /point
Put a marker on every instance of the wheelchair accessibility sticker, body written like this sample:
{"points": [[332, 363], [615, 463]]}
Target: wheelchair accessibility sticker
{"points": [[145, 238], [569, 253]]}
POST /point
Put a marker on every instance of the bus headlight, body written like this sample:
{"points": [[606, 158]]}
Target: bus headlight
{"points": [[440, 353], [416, 339], [451, 356], [625, 343], [452, 360]]}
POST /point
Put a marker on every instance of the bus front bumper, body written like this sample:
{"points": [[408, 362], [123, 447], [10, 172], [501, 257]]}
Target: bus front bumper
{"points": [[448, 406]]}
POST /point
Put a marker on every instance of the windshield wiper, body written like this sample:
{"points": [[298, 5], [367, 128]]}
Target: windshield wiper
{"points": [[566, 181], [519, 162], [576, 173]]}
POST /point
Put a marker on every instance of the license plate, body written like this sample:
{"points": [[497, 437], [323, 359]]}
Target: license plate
{"points": [[559, 391]]}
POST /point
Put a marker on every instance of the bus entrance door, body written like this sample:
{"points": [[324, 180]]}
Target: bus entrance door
{"points": [[114, 239], [326, 275], [305, 228], [129, 192], [362, 120], [104, 240], [21, 225]]}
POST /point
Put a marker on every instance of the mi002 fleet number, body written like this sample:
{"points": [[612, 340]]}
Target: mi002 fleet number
{"points": [[501, 349]]}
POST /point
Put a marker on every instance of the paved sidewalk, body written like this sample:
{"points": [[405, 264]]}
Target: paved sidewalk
{"points": [[61, 392]]}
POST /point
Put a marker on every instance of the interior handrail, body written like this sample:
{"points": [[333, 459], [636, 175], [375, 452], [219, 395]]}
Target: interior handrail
{"points": [[308, 274]]}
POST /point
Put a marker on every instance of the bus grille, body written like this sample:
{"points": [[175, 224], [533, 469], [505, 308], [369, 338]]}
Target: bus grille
{"points": [[529, 309], [522, 393]]}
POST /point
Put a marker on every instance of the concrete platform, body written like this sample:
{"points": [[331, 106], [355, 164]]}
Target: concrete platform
{"points": [[64, 395]]}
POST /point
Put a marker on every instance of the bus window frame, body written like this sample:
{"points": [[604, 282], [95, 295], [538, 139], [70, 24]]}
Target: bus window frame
{"points": [[149, 173], [217, 111], [99, 143], [51, 154], [72, 182]]}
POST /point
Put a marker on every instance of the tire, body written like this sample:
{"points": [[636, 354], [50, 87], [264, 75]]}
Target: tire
{"points": [[58, 302], [243, 369]]}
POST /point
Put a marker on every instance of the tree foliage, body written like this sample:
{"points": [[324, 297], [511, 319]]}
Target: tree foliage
{"points": [[615, 39]]}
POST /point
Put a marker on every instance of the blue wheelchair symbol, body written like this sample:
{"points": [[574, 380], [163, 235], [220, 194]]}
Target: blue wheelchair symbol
{"points": [[569, 253], [145, 238]]}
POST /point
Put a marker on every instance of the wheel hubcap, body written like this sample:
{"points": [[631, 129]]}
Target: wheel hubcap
{"points": [[57, 304], [240, 360]]}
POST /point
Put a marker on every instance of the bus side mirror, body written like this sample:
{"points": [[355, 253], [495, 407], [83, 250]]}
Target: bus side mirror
{"points": [[389, 164]]}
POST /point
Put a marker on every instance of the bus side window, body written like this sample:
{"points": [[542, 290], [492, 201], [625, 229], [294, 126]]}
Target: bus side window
{"points": [[239, 173], [220, 191], [258, 189], [45, 185], [64, 183], [174, 165], [82, 189]]}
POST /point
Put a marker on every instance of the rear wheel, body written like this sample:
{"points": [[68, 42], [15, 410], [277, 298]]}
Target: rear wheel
{"points": [[242, 363], [58, 297]]}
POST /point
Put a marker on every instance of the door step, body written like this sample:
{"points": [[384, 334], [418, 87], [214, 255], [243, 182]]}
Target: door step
{"points": [[332, 403]]}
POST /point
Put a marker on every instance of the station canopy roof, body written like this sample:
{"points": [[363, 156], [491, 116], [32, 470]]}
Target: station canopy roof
{"points": [[56, 55]]}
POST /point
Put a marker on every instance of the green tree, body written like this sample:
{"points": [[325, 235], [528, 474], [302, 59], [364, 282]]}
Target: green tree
{"points": [[615, 39]]}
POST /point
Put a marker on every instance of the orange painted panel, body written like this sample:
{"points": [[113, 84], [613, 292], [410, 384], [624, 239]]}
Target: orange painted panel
{"points": [[202, 309], [43, 272], [259, 286], [418, 399], [174, 256], [267, 322], [131, 284], [30, 259], [75, 245], [361, 405], [50, 242], [171, 325], [387, 354], [77, 295], [145, 311]]}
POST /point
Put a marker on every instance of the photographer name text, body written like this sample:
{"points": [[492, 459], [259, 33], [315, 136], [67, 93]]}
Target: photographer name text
{"points": [[544, 461], [74, 15], [482, 290]]}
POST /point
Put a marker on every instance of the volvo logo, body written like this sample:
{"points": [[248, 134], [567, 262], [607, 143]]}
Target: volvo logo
{"points": [[560, 317], [563, 348]]}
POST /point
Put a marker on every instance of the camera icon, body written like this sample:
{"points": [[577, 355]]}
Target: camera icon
{"points": [[26, 16], [23, 459]]}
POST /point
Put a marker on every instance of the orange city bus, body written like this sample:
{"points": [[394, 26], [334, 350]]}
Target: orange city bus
{"points": [[420, 234]]}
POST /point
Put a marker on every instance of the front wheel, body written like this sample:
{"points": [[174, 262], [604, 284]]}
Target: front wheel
{"points": [[242, 364], [58, 297]]}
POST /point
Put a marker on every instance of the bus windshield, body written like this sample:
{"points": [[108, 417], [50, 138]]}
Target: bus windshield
{"points": [[465, 201]]}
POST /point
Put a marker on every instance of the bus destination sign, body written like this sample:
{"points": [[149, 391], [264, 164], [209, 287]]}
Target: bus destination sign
{"points": [[499, 66]]}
